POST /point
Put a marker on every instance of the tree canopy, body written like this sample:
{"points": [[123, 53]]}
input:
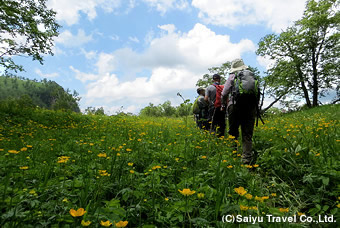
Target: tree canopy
{"points": [[305, 55], [27, 28]]}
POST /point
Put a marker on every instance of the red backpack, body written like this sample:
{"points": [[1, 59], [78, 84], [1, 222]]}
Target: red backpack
{"points": [[218, 101]]}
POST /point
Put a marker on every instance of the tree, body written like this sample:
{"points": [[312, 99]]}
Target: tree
{"points": [[220, 70], [306, 54], [27, 27]]}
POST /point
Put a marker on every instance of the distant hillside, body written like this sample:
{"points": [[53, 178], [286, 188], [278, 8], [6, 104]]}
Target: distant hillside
{"points": [[45, 93]]}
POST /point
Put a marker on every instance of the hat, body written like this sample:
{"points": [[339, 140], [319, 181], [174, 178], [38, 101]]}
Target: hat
{"points": [[199, 90], [237, 65], [216, 76]]}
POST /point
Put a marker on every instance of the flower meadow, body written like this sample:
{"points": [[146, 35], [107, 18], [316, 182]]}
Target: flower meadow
{"points": [[61, 169]]}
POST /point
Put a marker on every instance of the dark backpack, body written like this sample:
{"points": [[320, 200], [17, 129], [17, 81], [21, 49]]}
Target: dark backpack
{"points": [[246, 87], [218, 100], [195, 107]]}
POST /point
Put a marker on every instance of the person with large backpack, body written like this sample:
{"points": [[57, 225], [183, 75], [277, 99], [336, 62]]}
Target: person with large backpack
{"points": [[216, 114], [241, 93], [200, 110]]}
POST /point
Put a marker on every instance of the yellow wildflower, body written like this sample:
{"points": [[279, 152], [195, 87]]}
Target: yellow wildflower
{"points": [[166, 199], [240, 190], [229, 166], [128, 150], [102, 155], [248, 196], [130, 164], [85, 223], [106, 224], [243, 208], [284, 209], [23, 167], [256, 165], [132, 171], [300, 213], [204, 157], [13, 152], [77, 213], [187, 192], [24, 149], [121, 224], [63, 159], [200, 195], [273, 194]]}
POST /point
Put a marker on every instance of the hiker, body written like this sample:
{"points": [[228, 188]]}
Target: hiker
{"points": [[216, 114], [202, 116], [241, 95]]}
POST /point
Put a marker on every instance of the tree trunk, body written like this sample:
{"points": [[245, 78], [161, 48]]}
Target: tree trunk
{"points": [[303, 86], [315, 80]]}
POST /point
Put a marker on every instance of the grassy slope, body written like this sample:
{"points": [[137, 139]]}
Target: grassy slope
{"points": [[298, 169]]}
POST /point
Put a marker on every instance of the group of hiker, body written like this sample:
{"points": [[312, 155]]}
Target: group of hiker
{"points": [[237, 99]]}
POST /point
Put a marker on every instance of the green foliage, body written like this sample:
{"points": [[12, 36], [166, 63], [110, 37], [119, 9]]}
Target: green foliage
{"points": [[27, 27], [95, 111], [305, 55], [166, 110], [45, 94], [131, 168]]}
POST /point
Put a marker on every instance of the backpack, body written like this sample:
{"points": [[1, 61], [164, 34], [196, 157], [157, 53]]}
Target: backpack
{"points": [[246, 87], [195, 107], [218, 100]]}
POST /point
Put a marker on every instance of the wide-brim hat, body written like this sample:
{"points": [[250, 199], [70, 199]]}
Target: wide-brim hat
{"points": [[237, 65]]}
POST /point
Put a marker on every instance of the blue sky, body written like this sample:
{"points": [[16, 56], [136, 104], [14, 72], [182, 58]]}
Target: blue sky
{"points": [[132, 52]]}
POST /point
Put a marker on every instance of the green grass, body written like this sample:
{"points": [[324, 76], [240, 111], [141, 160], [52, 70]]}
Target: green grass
{"points": [[124, 168]]}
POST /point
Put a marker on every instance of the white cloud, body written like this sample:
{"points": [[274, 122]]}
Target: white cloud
{"points": [[89, 55], [174, 60], [67, 39], [41, 74], [84, 76], [165, 5], [69, 10], [277, 14], [134, 39], [265, 61], [170, 28]]}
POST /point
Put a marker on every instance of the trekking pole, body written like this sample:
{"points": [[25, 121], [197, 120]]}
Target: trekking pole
{"points": [[212, 120]]}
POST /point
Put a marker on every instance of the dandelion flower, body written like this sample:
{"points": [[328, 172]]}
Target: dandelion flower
{"points": [[200, 195], [130, 164], [85, 223], [187, 192], [248, 196], [77, 213], [284, 209], [240, 190], [166, 199], [243, 208], [121, 224], [13, 152], [23, 167], [132, 171], [106, 224]]}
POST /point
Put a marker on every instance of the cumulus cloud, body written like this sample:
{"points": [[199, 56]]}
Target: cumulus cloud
{"points": [[67, 39], [265, 61], [277, 14], [165, 5], [50, 75], [69, 11], [84, 76], [174, 61]]}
